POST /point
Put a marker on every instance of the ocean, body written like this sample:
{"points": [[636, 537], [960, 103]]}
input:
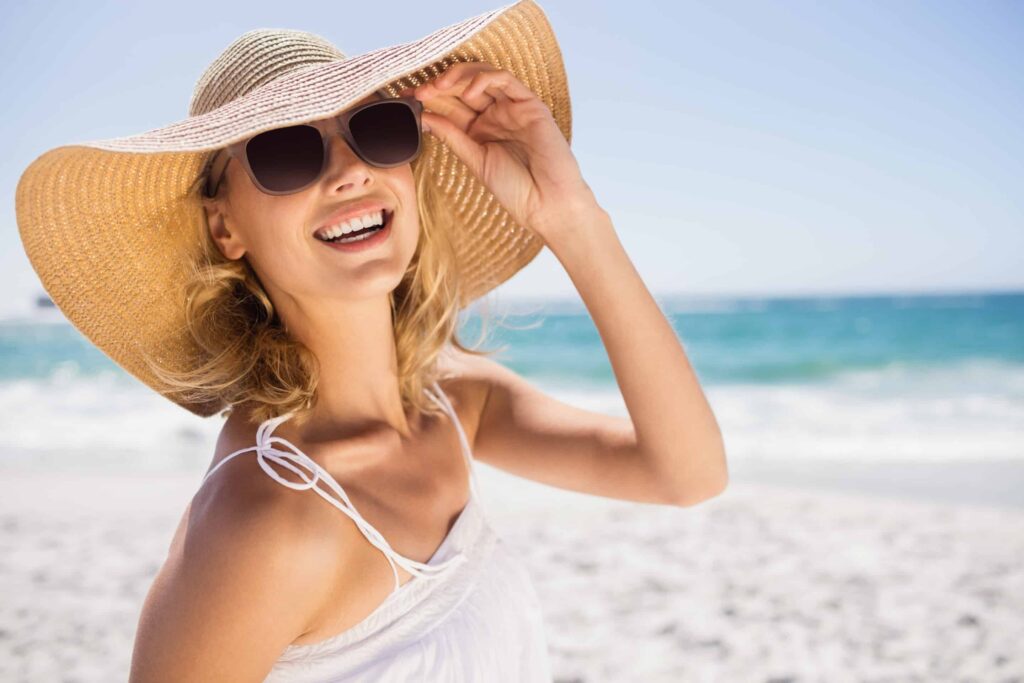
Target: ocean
{"points": [[861, 379], [813, 564]]}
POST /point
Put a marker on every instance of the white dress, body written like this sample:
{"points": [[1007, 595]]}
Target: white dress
{"points": [[470, 613]]}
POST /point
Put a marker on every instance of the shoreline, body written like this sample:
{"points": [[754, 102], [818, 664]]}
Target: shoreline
{"points": [[988, 483], [996, 482]]}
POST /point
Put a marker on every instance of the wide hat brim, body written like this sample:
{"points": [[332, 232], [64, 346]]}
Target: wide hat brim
{"points": [[110, 225]]}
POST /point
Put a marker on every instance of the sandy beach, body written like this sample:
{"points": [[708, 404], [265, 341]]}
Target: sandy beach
{"points": [[779, 581]]}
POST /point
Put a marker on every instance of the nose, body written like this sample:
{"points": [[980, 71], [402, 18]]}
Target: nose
{"points": [[346, 171]]}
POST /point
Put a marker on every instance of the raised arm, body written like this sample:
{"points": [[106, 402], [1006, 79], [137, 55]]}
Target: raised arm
{"points": [[526, 432], [675, 437], [672, 449]]}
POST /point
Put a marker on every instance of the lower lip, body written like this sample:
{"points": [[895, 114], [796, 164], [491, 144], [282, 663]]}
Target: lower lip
{"points": [[363, 244]]}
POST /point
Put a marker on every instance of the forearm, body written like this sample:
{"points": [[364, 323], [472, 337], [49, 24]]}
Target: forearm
{"points": [[676, 431]]}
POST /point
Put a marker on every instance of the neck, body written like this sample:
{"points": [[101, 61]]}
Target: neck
{"points": [[358, 390]]}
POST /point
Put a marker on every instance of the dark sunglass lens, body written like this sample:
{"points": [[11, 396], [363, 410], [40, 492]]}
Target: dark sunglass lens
{"points": [[286, 159], [386, 133]]}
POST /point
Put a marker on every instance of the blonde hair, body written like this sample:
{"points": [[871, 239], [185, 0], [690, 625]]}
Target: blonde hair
{"points": [[248, 357]]}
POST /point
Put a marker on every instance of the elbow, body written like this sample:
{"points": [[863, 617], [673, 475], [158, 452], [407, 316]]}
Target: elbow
{"points": [[721, 484], [699, 488], [696, 495]]}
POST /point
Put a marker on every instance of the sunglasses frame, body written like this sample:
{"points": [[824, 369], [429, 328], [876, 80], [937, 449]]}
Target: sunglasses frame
{"points": [[339, 124]]}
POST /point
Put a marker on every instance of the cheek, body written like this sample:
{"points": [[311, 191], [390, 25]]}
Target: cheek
{"points": [[273, 238], [405, 185], [276, 220], [409, 233]]}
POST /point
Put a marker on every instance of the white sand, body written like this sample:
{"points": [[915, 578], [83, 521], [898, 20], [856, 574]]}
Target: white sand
{"points": [[763, 583]]}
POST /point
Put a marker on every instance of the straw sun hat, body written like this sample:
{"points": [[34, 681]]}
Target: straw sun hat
{"points": [[109, 225]]}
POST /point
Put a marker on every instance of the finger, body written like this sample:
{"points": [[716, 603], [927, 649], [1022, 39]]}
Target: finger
{"points": [[501, 80], [461, 71], [456, 82], [464, 147], [476, 99], [431, 95], [447, 105]]}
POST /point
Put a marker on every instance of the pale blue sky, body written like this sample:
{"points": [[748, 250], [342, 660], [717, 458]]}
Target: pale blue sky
{"points": [[740, 147]]}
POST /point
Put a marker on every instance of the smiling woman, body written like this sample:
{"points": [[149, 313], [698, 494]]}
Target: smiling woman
{"points": [[336, 360], [249, 292], [232, 316], [384, 133]]}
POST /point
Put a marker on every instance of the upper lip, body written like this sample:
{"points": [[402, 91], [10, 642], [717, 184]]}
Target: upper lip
{"points": [[351, 211]]}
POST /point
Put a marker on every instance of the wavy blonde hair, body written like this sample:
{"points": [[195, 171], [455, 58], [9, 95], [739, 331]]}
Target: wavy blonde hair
{"points": [[248, 357]]}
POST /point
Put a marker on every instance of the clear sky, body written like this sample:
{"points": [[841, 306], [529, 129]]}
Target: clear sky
{"points": [[740, 147]]}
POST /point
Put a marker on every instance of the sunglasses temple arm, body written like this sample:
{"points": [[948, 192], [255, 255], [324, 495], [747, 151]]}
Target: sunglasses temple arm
{"points": [[216, 171]]}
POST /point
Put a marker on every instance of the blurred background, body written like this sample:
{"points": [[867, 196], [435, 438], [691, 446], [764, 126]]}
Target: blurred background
{"points": [[824, 199]]}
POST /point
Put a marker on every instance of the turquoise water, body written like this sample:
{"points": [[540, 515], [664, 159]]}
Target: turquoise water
{"points": [[796, 340], [879, 377], [738, 341]]}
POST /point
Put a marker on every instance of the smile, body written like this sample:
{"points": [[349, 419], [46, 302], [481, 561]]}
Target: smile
{"points": [[361, 240]]}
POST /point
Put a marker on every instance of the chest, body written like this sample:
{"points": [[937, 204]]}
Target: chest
{"points": [[410, 494]]}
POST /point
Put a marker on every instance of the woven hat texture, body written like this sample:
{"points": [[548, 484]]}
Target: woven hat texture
{"points": [[110, 225]]}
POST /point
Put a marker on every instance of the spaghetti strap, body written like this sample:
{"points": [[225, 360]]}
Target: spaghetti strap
{"points": [[266, 453], [441, 398]]}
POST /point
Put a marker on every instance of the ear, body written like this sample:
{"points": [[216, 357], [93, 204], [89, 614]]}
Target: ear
{"points": [[216, 220]]}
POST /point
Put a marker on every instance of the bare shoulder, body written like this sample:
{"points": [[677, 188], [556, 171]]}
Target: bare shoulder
{"points": [[475, 377], [468, 378], [250, 569], [469, 373], [472, 368]]}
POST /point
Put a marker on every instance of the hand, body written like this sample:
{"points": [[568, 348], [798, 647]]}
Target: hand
{"points": [[509, 139]]}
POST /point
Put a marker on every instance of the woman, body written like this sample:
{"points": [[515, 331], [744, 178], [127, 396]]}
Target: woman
{"points": [[333, 344]]}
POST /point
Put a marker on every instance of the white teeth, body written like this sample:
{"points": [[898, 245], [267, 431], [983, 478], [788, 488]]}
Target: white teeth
{"points": [[353, 224]]}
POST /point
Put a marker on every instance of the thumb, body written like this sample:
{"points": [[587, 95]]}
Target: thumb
{"points": [[465, 147]]}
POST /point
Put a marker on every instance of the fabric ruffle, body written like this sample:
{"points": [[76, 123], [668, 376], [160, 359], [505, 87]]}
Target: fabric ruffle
{"points": [[481, 621]]}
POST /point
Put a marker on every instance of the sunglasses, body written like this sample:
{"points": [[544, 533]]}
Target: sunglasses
{"points": [[384, 133]]}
